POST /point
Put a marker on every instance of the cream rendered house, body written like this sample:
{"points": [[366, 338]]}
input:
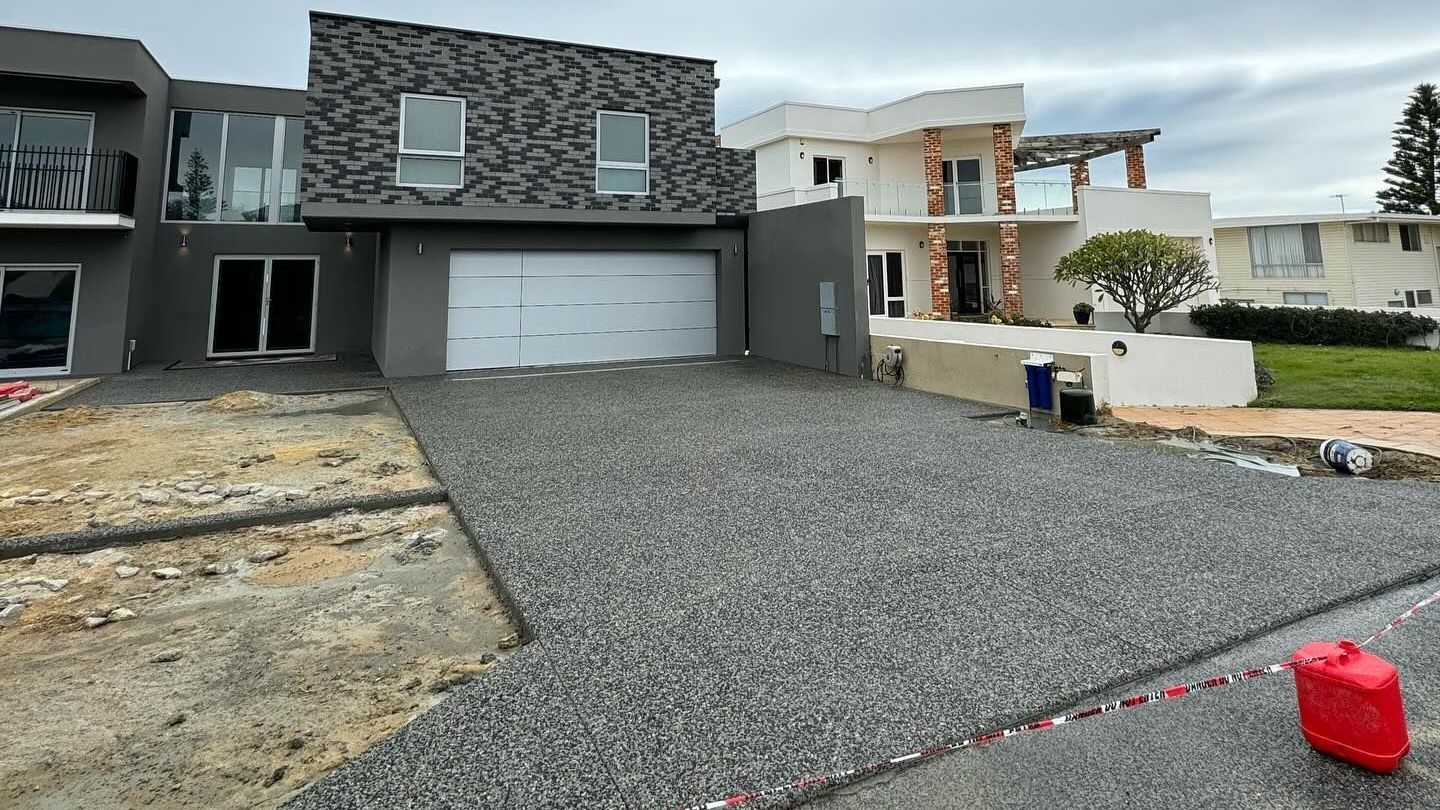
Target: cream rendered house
{"points": [[952, 224], [1356, 260]]}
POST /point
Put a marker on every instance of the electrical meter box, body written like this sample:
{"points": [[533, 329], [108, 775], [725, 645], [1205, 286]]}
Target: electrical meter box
{"points": [[827, 309]]}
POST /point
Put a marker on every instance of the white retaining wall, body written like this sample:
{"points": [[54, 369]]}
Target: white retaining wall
{"points": [[1155, 370]]}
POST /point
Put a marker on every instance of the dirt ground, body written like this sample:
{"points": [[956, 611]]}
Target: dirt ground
{"points": [[233, 688], [1304, 453], [83, 466]]}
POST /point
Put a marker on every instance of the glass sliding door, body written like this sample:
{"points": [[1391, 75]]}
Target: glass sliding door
{"points": [[44, 159], [969, 278], [263, 305], [37, 318]]}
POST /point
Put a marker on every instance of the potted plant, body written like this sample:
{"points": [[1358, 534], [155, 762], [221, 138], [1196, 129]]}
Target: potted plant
{"points": [[1082, 312]]}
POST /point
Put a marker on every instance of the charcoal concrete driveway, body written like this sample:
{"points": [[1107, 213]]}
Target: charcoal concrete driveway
{"points": [[739, 573]]}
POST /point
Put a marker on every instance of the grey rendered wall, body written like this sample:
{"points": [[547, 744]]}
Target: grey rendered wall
{"points": [[180, 280], [182, 277], [104, 257], [530, 117], [414, 283], [791, 251]]}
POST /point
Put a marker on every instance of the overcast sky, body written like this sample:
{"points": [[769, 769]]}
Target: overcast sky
{"points": [[1271, 105]]}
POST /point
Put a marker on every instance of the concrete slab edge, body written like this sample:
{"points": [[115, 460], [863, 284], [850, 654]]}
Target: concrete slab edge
{"points": [[1071, 700], [502, 590], [144, 532], [50, 400]]}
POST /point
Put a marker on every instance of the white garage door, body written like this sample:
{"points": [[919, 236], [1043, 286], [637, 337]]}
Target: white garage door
{"points": [[549, 307]]}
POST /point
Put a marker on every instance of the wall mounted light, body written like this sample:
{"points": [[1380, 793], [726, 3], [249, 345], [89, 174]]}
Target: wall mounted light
{"points": [[871, 158], [349, 242], [184, 239], [802, 155], [1118, 348], [419, 248]]}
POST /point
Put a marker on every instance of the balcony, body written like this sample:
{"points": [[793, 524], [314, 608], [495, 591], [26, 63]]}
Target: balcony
{"points": [[907, 198], [61, 187]]}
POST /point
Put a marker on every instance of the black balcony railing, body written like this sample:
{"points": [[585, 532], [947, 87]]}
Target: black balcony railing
{"points": [[49, 178]]}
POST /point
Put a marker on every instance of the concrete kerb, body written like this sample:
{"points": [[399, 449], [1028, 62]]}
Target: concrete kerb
{"points": [[147, 531], [1069, 701]]}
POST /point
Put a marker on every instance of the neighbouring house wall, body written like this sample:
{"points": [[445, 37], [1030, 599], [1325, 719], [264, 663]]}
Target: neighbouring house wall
{"points": [[1041, 246], [1381, 268], [1184, 214], [98, 339], [984, 373], [1238, 281], [413, 287], [792, 250], [1155, 370]]}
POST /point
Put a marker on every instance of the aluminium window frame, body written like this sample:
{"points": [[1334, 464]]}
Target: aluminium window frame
{"points": [[269, 259], [277, 168], [402, 152], [616, 164], [48, 371], [827, 159], [1304, 296], [887, 294], [15, 141], [1416, 244], [1382, 229]]}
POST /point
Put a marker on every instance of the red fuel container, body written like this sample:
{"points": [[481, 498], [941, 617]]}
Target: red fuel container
{"points": [[1350, 705]]}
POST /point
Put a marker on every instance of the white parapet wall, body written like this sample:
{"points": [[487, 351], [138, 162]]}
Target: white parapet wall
{"points": [[1160, 370]]}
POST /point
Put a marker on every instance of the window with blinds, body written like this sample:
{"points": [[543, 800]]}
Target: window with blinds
{"points": [[1286, 251]]}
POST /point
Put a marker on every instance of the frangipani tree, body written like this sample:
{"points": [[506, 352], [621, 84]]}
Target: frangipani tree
{"points": [[1145, 273]]}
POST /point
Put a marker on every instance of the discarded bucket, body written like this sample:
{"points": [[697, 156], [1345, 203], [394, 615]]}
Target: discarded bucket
{"points": [[1350, 705], [1345, 457]]}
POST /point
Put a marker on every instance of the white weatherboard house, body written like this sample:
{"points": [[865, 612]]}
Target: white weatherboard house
{"points": [[951, 224], [1368, 261]]}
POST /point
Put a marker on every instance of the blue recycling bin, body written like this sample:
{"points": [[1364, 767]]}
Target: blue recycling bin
{"points": [[1040, 381]]}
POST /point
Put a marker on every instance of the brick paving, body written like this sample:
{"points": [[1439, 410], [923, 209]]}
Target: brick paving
{"points": [[1408, 431]]}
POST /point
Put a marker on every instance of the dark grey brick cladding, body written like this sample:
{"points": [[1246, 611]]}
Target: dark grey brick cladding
{"points": [[530, 119]]}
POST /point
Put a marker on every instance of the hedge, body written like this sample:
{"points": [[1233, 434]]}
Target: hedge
{"points": [[1310, 326]]}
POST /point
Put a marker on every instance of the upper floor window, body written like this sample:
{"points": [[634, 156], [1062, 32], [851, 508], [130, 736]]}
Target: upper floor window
{"points": [[44, 158], [828, 170], [1307, 299], [1410, 237], [432, 141], [1371, 232], [622, 153], [232, 167], [1286, 251]]}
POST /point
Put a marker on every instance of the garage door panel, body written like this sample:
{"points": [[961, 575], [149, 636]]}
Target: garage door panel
{"points": [[482, 263], [616, 289], [501, 352], [549, 350], [567, 320], [618, 263], [485, 292], [483, 322]]}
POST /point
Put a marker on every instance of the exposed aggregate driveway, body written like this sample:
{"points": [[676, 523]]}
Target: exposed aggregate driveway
{"points": [[741, 573]]}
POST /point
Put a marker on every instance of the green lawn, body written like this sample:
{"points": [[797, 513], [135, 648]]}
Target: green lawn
{"points": [[1350, 377]]}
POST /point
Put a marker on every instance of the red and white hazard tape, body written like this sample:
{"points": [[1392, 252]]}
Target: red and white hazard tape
{"points": [[1168, 693]]}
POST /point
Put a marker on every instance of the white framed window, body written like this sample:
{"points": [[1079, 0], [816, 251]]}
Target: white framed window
{"points": [[827, 169], [1417, 298], [885, 273], [1410, 238], [224, 167], [1307, 299], [1371, 231], [1286, 251], [432, 142], [622, 153]]}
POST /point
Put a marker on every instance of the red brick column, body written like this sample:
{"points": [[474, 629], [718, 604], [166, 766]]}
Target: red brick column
{"points": [[1010, 288], [1079, 176], [1004, 168], [935, 232], [1135, 166]]}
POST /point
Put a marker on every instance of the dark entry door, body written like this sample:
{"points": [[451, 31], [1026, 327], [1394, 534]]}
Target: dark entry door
{"points": [[965, 282], [263, 306]]}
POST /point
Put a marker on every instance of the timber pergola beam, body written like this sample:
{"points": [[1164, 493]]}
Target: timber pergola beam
{"points": [[1045, 151]]}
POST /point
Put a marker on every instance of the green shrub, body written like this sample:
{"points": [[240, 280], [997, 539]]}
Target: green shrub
{"points": [[1264, 377], [1310, 326]]}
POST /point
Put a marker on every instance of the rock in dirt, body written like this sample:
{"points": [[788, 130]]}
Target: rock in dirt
{"points": [[126, 571], [51, 585], [166, 657], [275, 776], [38, 493], [208, 499], [187, 486], [154, 496], [167, 573], [510, 642], [10, 614], [265, 554], [120, 615], [105, 556], [295, 744], [216, 569], [176, 719]]}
